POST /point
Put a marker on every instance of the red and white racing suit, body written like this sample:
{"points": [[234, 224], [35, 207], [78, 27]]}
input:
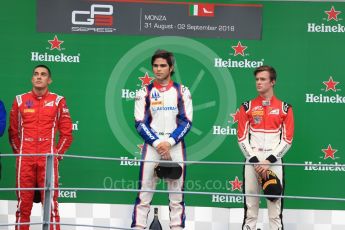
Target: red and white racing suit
{"points": [[34, 121], [162, 114], [265, 132]]}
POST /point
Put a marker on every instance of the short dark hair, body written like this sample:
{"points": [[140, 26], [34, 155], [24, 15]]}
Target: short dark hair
{"points": [[42, 66], [168, 56], [270, 69]]}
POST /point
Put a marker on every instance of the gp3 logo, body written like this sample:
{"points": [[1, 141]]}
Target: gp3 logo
{"points": [[99, 15]]}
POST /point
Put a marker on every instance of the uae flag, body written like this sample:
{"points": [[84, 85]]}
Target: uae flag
{"points": [[202, 10]]}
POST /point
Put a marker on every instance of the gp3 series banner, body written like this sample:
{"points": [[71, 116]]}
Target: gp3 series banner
{"points": [[147, 18]]}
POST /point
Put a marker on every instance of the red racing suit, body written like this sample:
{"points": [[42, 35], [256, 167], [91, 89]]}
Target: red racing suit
{"points": [[265, 132], [34, 121]]}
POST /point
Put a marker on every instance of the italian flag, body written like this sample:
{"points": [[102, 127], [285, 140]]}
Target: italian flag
{"points": [[202, 10]]}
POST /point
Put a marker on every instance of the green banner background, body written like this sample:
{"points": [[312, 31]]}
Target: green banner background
{"points": [[104, 119]]}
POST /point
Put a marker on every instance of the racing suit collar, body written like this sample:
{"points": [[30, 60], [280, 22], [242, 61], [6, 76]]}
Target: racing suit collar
{"points": [[39, 97], [162, 88], [261, 98]]}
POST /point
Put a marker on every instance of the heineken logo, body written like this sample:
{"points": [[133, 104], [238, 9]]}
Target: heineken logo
{"points": [[239, 49], [239, 58], [227, 129], [126, 161], [45, 57], [68, 194], [328, 154], [331, 17], [332, 14], [146, 79], [232, 185], [54, 55], [329, 87], [331, 84], [227, 199], [236, 184], [55, 43], [324, 99], [319, 166]]}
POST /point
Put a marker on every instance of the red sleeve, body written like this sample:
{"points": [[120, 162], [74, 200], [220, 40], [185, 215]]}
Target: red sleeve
{"points": [[243, 122], [64, 127], [287, 134], [243, 133], [288, 125], [15, 127]]}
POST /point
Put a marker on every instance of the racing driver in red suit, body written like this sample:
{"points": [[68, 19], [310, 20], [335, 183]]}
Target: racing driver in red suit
{"points": [[35, 118], [265, 132]]}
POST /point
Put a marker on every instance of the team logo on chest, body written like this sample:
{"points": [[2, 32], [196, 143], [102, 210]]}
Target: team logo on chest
{"points": [[257, 119], [257, 113], [29, 104], [49, 104], [273, 111], [155, 96]]}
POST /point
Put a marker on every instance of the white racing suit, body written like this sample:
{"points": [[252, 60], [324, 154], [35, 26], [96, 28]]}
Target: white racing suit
{"points": [[265, 132], [162, 114]]}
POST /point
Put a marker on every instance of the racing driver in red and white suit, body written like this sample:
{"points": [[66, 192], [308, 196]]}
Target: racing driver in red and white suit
{"points": [[35, 118], [265, 133]]}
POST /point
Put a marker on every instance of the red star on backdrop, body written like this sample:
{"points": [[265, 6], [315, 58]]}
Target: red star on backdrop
{"points": [[146, 80], [239, 49], [330, 84], [235, 116], [236, 184], [55, 43], [140, 147], [329, 152], [332, 14]]}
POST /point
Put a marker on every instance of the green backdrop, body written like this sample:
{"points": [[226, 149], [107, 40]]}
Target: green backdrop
{"points": [[99, 91]]}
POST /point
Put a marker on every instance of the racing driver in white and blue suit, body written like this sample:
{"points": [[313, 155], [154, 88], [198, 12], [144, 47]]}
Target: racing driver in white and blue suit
{"points": [[163, 117]]}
